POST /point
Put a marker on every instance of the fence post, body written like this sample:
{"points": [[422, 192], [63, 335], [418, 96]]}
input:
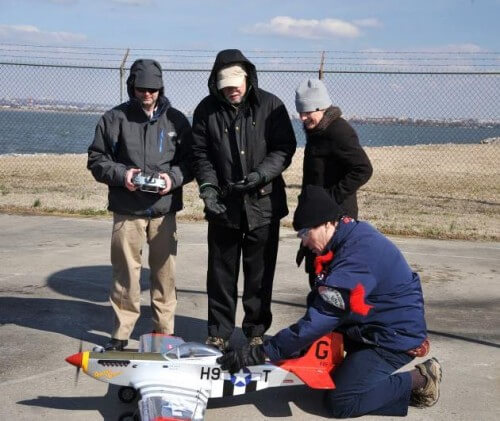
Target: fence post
{"points": [[320, 72], [122, 72]]}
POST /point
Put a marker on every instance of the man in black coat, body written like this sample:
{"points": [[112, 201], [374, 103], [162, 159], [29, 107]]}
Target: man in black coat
{"points": [[333, 157], [242, 141]]}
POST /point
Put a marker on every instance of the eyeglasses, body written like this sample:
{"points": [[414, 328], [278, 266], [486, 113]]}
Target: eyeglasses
{"points": [[144, 90], [303, 233]]}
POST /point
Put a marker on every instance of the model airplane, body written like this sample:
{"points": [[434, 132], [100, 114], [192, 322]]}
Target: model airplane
{"points": [[175, 378]]}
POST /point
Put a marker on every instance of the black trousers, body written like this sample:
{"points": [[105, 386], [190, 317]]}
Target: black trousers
{"points": [[259, 248]]}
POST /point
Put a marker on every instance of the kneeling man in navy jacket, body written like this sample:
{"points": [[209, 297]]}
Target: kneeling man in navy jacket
{"points": [[365, 290]]}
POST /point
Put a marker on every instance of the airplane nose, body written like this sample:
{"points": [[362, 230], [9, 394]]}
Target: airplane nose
{"points": [[75, 359]]}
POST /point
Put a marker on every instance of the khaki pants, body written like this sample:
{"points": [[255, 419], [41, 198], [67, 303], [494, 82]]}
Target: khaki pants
{"points": [[128, 238]]}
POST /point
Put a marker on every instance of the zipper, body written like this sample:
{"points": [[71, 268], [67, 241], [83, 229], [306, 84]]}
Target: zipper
{"points": [[162, 136], [144, 145]]}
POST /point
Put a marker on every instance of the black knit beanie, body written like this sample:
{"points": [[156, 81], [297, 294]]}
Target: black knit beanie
{"points": [[315, 207]]}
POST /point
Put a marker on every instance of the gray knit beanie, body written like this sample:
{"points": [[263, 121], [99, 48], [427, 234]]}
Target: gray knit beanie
{"points": [[311, 95]]}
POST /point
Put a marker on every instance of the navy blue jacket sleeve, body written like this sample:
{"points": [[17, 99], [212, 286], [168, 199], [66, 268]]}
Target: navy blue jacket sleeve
{"points": [[320, 318]]}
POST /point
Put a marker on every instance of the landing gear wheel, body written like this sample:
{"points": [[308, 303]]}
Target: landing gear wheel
{"points": [[129, 416], [127, 394]]}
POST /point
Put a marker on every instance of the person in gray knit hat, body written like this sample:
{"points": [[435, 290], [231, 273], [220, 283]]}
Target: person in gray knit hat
{"points": [[311, 95], [333, 157]]}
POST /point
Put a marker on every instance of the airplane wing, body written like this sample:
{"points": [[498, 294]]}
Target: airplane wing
{"points": [[163, 402]]}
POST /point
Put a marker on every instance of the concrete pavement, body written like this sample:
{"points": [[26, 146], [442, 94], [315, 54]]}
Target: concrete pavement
{"points": [[54, 280]]}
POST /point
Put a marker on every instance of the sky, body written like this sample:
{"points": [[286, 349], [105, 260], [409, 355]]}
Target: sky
{"points": [[386, 25], [406, 35]]}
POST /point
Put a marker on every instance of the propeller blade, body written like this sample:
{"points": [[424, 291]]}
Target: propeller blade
{"points": [[77, 374], [76, 360]]}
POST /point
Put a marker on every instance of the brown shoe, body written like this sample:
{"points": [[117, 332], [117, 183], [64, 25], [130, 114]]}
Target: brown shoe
{"points": [[429, 394], [218, 342], [256, 340]]}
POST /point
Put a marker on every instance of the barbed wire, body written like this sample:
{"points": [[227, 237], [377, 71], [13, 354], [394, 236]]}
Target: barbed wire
{"points": [[250, 56], [288, 63], [264, 59], [256, 51]]}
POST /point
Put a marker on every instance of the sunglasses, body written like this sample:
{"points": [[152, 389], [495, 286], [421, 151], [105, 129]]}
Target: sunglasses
{"points": [[144, 90], [303, 233]]}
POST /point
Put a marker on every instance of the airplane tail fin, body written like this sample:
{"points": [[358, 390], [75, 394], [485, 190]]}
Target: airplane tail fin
{"points": [[315, 366]]}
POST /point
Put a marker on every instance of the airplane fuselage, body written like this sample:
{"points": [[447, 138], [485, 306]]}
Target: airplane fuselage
{"points": [[130, 368]]}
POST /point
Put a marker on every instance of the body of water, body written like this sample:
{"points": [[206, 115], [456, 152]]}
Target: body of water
{"points": [[27, 132]]}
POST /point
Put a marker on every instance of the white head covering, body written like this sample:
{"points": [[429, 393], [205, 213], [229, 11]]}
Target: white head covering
{"points": [[233, 75]]}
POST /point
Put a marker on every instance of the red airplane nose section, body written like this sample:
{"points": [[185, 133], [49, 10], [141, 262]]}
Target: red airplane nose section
{"points": [[75, 359]]}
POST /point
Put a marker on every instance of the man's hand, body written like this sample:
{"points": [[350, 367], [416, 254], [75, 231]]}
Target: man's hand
{"points": [[235, 360], [252, 180], [128, 178], [168, 183], [212, 201]]}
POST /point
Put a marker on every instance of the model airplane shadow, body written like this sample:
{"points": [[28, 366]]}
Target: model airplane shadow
{"points": [[276, 403], [270, 403], [108, 406]]}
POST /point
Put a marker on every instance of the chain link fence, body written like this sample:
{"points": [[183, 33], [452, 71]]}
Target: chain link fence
{"points": [[433, 138]]}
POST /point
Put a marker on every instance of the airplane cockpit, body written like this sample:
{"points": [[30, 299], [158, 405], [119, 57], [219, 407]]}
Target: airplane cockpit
{"points": [[192, 350]]}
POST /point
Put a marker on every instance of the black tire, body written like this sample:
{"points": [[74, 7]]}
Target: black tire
{"points": [[127, 394], [128, 416]]}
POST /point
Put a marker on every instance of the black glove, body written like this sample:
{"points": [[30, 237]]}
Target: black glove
{"points": [[212, 201], [301, 253], [235, 360], [251, 181]]}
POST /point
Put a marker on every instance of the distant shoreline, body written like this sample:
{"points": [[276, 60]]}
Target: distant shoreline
{"points": [[470, 123], [491, 141], [51, 110]]}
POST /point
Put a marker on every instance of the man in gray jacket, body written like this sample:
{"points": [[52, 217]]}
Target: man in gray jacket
{"points": [[143, 135]]}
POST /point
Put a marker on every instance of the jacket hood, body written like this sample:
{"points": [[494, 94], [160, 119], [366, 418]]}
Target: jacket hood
{"points": [[229, 57], [147, 73]]}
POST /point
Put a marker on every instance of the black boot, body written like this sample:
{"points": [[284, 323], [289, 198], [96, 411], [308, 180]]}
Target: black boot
{"points": [[116, 345]]}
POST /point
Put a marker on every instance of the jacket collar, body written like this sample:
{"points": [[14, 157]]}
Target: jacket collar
{"points": [[344, 228], [161, 107], [331, 114]]}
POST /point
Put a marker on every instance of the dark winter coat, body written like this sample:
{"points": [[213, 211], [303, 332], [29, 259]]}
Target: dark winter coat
{"points": [[334, 159], [368, 292], [125, 138], [229, 143]]}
